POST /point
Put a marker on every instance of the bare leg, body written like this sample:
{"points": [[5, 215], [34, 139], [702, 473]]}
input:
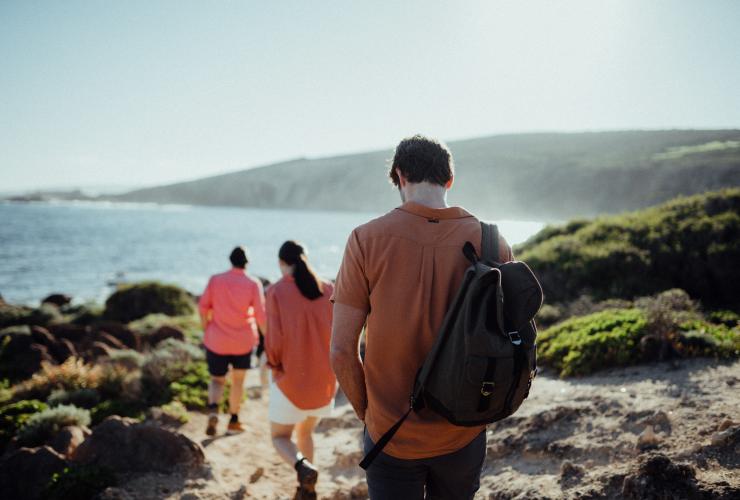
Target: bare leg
{"points": [[264, 382], [304, 437], [216, 390], [236, 393], [283, 445]]}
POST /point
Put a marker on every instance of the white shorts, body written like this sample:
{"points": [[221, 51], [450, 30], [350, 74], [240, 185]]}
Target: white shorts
{"points": [[281, 410]]}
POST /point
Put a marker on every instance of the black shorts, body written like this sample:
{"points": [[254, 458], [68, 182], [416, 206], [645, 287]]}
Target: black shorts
{"points": [[218, 364]]}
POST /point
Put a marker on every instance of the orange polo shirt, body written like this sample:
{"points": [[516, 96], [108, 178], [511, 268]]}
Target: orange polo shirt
{"points": [[236, 304], [297, 344], [404, 269]]}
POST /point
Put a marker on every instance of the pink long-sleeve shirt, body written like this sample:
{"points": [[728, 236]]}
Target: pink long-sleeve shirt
{"points": [[297, 344], [235, 303]]}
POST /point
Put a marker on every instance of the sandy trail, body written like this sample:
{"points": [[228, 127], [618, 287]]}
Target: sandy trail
{"points": [[570, 439]]}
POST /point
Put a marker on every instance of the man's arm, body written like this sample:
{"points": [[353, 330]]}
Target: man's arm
{"points": [[345, 355]]}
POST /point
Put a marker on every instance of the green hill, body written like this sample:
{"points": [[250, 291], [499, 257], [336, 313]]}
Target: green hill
{"points": [[544, 176], [692, 243]]}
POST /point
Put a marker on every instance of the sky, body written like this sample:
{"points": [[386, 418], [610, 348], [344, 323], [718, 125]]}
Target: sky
{"points": [[105, 94]]}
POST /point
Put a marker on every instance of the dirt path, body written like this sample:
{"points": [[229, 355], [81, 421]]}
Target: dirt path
{"points": [[571, 439]]}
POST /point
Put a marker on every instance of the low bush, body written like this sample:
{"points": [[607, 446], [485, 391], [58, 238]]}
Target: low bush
{"points": [[190, 325], [582, 345], [690, 243], [108, 408], [71, 375], [168, 363], [191, 389], [82, 482], [45, 424], [131, 302], [11, 315], [81, 398], [14, 416]]}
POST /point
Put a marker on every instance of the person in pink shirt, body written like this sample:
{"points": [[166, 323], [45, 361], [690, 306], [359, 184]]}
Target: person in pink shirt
{"points": [[232, 308], [299, 317]]}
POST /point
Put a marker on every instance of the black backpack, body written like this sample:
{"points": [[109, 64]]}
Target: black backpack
{"points": [[482, 363]]}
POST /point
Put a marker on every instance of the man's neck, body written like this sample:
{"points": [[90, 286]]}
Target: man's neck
{"points": [[424, 193]]}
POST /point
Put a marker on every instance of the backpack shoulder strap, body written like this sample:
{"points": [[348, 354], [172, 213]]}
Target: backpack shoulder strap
{"points": [[489, 243]]}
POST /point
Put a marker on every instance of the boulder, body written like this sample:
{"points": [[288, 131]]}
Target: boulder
{"points": [[124, 445], [25, 472], [57, 299], [118, 331], [62, 350], [660, 478], [68, 439], [21, 356], [73, 333], [163, 333], [648, 439]]}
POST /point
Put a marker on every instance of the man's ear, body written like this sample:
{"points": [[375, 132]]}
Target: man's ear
{"points": [[450, 183], [402, 181]]}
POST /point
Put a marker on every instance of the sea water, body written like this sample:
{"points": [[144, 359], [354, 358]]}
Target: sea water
{"points": [[86, 249]]}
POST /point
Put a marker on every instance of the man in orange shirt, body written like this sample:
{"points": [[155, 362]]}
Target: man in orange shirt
{"points": [[232, 307], [399, 275]]}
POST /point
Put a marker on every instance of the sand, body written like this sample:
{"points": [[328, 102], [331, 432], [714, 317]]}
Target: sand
{"points": [[571, 439]]}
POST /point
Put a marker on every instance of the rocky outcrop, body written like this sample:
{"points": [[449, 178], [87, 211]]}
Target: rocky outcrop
{"points": [[69, 439], [57, 299], [124, 445], [24, 473]]}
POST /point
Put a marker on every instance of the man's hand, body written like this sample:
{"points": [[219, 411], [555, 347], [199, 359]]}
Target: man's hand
{"points": [[345, 355]]}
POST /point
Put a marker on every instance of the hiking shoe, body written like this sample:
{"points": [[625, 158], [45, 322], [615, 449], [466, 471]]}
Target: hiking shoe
{"points": [[307, 476], [234, 428], [212, 423], [302, 494]]}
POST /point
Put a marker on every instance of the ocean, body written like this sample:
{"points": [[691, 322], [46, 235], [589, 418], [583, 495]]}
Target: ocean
{"points": [[85, 249]]}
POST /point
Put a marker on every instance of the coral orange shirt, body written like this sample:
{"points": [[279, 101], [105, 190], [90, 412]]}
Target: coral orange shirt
{"points": [[236, 303], [404, 270], [297, 344]]}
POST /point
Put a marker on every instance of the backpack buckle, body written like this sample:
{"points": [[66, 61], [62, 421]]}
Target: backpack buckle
{"points": [[487, 392], [515, 338]]}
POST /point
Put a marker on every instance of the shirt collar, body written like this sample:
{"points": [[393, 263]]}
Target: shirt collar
{"points": [[238, 270], [434, 213]]}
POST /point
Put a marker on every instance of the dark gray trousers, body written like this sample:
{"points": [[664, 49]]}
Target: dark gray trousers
{"points": [[452, 476]]}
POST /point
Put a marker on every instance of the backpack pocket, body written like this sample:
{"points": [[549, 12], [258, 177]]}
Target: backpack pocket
{"points": [[487, 384]]}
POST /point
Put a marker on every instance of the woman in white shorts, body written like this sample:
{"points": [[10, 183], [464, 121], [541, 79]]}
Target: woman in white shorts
{"points": [[303, 386]]}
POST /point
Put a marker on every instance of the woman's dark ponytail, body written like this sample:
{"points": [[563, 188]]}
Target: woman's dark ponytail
{"points": [[305, 278]]}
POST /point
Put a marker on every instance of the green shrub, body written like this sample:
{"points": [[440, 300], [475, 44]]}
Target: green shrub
{"points": [[169, 362], [83, 314], [582, 345], [108, 408], [131, 302], [702, 338], [44, 425], [190, 325], [690, 243], [126, 358], [6, 393], [11, 315], [81, 398], [172, 412], [14, 416], [724, 317], [191, 389], [82, 482]]}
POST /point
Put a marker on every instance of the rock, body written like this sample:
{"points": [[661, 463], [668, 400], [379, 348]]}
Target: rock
{"points": [[163, 333], [57, 299], [648, 439], [726, 424], [68, 439], [256, 475], [660, 422], [73, 333], [119, 331], [21, 356], [359, 491], [25, 472], [123, 445], [62, 350], [113, 493], [659, 478], [111, 341], [41, 335], [726, 437], [569, 469]]}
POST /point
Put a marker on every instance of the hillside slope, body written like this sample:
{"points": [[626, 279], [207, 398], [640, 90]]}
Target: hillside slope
{"points": [[543, 176]]}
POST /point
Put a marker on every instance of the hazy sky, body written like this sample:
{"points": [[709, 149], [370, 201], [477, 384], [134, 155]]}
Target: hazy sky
{"points": [[136, 93]]}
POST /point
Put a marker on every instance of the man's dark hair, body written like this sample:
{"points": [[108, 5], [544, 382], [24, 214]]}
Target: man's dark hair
{"points": [[239, 258], [422, 159]]}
